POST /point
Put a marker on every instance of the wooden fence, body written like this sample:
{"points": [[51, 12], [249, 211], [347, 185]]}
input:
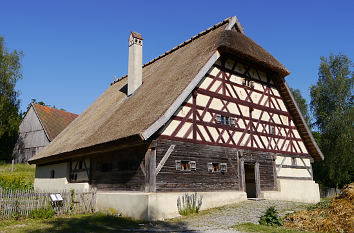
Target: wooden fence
{"points": [[24, 202]]}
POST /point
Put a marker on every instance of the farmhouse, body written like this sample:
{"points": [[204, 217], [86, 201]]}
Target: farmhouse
{"points": [[213, 115], [40, 125]]}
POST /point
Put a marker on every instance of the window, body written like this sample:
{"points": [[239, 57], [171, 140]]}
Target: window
{"points": [[217, 167], [272, 129], [248, 83], [52, 174], [184, 165], [223, 167], [225, 120]]}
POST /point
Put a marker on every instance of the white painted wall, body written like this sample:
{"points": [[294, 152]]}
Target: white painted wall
{"points": [[158, 206], [44, 182]]}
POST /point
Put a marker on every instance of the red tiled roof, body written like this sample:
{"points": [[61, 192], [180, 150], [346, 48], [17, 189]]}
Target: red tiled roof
{"points": [[53, 120]]}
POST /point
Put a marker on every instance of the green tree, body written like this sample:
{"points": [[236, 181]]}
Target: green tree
{"points": [[332, 108], [301, 102], [10, 73]]}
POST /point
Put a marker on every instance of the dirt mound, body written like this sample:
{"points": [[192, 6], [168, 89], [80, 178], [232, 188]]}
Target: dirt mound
{"points": [[334, 216]]}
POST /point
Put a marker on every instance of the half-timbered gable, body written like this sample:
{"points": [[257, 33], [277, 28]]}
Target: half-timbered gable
{"points": [[237, 106]]}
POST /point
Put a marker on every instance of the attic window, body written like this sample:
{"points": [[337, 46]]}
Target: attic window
{"points": [[272, 129], [224, 120], [248, 83], [184, 165]]}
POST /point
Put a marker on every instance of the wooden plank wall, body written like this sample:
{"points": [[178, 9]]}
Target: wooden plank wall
{"points": [[126, 173], [169, 179]]}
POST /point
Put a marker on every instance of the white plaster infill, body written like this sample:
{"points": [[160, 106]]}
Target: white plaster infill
{"points": [[158, 206]]}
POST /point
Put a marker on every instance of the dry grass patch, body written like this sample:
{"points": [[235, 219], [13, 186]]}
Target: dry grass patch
{"points": [[337, 216]]}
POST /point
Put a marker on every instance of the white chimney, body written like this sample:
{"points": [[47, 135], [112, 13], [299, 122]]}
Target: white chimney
{"points": [[135, 65]]}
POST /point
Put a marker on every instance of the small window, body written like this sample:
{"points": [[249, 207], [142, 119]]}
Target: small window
{"points": [[248, 83], [213, 167], [272, 129], [223, 167], [184, 165], [218, 119], [52, 174], [224, 120]]}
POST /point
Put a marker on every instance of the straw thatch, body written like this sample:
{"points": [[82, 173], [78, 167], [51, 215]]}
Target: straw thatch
{"points": [[115, 116], [337, 217]]}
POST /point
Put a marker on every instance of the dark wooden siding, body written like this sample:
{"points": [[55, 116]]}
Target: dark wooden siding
{"points": [[125, 173], [266, 168], [169, 179]]}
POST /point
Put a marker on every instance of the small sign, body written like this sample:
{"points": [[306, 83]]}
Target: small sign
{"points": [[53, 197], [59, 197], [56, 197]]}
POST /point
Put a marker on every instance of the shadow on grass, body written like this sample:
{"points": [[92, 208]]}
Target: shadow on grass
{"points": [[100, 222]]}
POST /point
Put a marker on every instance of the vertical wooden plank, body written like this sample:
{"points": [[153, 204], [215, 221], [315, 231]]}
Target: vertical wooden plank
{"points": [[150, 169], [243, 178], [257, 179], [275, 174], [194, 115]]}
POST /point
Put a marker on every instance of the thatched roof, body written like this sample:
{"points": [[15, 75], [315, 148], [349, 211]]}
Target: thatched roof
{"points": [[53, 120], [167, 81]]}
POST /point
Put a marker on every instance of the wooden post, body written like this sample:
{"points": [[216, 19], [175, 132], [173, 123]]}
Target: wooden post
{"points": [[150, 169], [257, 179], [12, 166]]}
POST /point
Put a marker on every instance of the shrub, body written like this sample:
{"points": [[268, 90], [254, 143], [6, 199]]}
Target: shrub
{"points": [[271, 218], [42, 213], [14, 181], [189, 204]]}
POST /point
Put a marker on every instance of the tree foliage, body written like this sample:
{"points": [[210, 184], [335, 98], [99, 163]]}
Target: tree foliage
{"points": [[301, 103], [10, 73], [332, 108]]}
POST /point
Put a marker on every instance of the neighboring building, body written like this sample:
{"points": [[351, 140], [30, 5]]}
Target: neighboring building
{"points": [[40, 125], [214, 115]]}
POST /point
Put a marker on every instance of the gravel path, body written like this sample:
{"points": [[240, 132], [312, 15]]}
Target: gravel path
{"points": [[219, 220]]}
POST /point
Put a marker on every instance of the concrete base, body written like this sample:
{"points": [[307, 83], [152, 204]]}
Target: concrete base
{"points": [[158, 206], [294, 190]]}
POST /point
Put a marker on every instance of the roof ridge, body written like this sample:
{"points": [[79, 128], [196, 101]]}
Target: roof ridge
{"points": [[180, 46], [40, 105]]}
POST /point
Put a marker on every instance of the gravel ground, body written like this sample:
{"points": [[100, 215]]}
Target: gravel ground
{"points": [[219, 220]]}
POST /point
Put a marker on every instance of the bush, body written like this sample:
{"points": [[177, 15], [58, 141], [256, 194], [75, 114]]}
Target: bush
{"points": [[190, 204], [271, 218], [42, 213], [14, 181]]}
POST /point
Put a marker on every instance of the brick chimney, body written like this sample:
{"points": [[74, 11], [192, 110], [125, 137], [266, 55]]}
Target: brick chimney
{"points": [[135, 65]]}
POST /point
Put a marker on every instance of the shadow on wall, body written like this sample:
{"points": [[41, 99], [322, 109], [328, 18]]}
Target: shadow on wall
{"points": [[100, 222]]}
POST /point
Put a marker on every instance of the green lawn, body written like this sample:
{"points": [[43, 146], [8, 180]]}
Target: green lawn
{"points": [[251, 227], [96, 222]]}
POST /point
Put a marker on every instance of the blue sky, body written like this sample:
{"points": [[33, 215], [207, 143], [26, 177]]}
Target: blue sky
{"points": [[74, 48]]}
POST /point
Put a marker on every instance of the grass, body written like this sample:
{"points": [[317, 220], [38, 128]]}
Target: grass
{"points": [[97, 222], [25, 170], [251, 227]]}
